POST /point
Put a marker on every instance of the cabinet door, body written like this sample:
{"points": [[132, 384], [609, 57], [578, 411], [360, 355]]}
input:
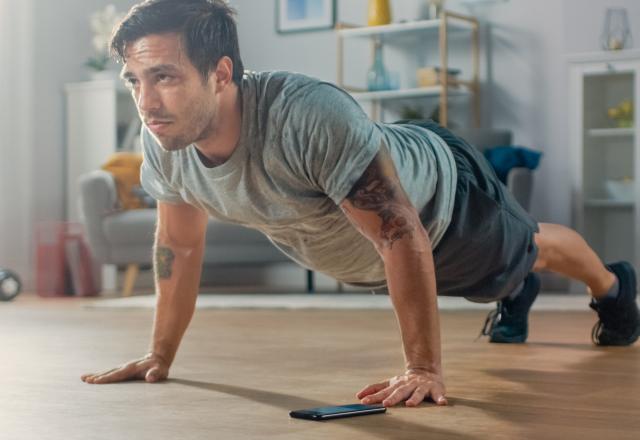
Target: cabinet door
{"points": [[605, 151]]}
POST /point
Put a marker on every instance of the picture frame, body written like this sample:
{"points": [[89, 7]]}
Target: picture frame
{"points": [[304, 15]]}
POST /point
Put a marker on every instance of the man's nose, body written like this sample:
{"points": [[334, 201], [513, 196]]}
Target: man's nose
{"points": [[148, 99]]}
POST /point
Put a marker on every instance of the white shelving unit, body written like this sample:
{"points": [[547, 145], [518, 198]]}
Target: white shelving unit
{"points": [[607, 203], [100, 115], [439, 30], [404, 93], [428, 26], [602, 152], [611, 132]]}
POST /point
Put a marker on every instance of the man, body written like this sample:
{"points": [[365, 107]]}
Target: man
{"points": [[406, 206]]}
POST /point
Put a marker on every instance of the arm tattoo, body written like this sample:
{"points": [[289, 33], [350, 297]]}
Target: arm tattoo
{"points": [[378, 191], [164, 262]]}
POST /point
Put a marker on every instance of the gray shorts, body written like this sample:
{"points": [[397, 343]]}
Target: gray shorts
{"points": [[488, 248]]}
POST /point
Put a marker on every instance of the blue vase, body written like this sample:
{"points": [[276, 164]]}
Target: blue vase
{"points": [[377, 76]]}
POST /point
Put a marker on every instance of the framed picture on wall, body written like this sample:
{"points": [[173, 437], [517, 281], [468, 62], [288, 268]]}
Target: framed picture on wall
{"points": [[304, 15]]}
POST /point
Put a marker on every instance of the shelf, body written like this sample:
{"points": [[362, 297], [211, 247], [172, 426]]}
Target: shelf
{"points": [[604, 56], [607, 203], [611, 132], [405, 93], [396, 28]]}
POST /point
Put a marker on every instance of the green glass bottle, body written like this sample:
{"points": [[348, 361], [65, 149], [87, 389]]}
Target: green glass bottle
{"points": [[377, 76]]}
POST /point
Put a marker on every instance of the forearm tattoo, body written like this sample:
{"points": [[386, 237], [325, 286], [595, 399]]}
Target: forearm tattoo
{"points": [[164, 262], [378, 190]]}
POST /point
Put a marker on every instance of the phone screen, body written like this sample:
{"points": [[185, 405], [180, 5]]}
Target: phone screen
{"points": [[334, 412]]}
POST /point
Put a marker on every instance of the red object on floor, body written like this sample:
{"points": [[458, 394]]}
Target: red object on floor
{"points": [[61, 271]]}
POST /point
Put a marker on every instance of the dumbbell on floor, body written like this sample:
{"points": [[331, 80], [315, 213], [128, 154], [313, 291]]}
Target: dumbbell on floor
{"points": [[10, 285]]}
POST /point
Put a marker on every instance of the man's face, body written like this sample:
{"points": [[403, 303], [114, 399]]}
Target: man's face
{"points": [[172, 99]]}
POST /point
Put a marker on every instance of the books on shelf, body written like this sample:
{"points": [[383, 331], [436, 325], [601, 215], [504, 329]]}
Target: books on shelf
{"points": [[82, 272]]}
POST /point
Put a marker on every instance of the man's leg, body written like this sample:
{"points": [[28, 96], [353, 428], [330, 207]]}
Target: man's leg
{"points": [[563, 250], [613, 287]]}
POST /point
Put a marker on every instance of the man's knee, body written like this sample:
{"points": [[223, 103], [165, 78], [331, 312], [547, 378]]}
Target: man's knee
{"points": [[548, 243], [544, 243]]}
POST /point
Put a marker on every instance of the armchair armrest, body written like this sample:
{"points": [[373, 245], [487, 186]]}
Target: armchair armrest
{"points": [[98, 198], [520, 183]]}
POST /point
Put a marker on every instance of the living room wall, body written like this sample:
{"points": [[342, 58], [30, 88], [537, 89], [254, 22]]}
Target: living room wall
{"points": [[16, 101]]}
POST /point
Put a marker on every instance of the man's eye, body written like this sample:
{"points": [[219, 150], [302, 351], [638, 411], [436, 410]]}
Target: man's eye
{"points": [[164, 78], [130, 82]]}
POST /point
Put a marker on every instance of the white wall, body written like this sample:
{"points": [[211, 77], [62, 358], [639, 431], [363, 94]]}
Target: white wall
{"points": [[16, 137], [524, 86]]}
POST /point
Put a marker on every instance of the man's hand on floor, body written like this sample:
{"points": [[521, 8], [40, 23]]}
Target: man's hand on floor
{"points": [[151, 368], [414, 386]]}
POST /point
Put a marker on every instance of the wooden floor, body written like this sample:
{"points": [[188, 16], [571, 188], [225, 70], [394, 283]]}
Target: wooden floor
{"points": [[240, 372]]}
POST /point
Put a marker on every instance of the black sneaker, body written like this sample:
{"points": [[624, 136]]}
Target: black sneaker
{"points": [[619, 322], [509, 322]]}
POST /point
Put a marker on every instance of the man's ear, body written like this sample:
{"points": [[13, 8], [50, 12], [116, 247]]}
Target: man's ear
{"points": [[223, 73]]}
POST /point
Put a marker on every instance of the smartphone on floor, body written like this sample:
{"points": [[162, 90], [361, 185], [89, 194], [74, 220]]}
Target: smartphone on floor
{"points": [[337, 412]]}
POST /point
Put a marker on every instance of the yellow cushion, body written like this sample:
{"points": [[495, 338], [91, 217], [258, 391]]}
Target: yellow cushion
{"points": [[125, 167]]}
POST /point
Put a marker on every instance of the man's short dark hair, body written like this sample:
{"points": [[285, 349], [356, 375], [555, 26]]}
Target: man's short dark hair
{"points": [[207, 27]]}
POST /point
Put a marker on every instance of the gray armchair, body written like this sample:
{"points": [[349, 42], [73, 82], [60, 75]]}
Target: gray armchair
{"points": [[125, 238]]}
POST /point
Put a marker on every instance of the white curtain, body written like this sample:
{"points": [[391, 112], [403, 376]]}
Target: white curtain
{"points": [[16, 111]]}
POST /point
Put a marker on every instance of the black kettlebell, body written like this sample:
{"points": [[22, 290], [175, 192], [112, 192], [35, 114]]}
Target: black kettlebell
{"points": [[10, 285]]}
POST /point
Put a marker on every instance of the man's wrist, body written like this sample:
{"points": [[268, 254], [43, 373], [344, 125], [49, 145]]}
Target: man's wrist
{"points": [[160, 356], [424, 368]]}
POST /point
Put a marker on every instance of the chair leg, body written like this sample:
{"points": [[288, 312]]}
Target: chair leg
{"points": [[130, 279], [109, 278], [310, 282]]}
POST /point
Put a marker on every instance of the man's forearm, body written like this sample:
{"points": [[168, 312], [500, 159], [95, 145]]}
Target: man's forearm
{"points": [[412, 286], [177, 271]]}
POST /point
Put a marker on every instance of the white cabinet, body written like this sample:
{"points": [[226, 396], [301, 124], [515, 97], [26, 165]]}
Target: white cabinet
{"points": [[101, 119], [606, 153]]}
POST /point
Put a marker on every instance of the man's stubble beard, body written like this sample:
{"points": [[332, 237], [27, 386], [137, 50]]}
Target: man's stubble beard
{"points": [[201, 123]]}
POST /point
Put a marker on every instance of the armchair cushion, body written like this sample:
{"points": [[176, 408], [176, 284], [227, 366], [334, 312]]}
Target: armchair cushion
{"points": [[505, 158], [130, 227]]}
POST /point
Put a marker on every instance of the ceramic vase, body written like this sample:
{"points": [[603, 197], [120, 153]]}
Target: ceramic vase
{"points": [[379, 12]]}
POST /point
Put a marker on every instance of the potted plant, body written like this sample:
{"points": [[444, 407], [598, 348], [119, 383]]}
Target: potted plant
{"points": [[102, 23]]}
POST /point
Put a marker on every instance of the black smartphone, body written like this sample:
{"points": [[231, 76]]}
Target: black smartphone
{"points": [[337, 412]]}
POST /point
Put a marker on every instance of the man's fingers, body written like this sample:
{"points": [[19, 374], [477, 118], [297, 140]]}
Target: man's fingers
{"points": [[438, 397], [437, 391], [91, 377], [399, 394], [380, 395], [148, 368], [411, 387], [417, 397], [154, 375], [116, 375], [373, 388], [422, 392]]}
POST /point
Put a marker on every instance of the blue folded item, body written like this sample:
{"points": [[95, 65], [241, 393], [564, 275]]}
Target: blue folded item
{"points": [[504, 158]]}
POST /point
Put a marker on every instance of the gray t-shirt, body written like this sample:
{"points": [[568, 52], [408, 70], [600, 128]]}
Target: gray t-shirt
{"points": [[304, 143]]}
